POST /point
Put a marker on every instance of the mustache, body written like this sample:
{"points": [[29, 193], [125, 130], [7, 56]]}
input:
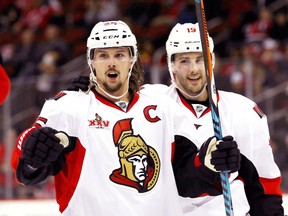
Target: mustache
{"points": [[112, 71], [112, 68]]}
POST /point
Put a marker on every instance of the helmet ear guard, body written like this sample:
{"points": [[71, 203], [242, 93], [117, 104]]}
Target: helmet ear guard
{"points": [[91, 54]]}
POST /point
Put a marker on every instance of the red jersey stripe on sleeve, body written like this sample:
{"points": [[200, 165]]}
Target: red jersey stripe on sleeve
{"points": [[17, 153], [271, 186]]}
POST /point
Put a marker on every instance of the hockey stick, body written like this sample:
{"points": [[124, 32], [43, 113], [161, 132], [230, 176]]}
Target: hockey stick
{"points": [[200, 11]]}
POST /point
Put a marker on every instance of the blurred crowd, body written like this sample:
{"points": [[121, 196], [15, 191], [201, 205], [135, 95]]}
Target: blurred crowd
{"points": [[38, 37]]}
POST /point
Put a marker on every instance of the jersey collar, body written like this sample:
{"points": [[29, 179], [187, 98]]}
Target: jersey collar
{"points": [[108, 102], [192, 105]]}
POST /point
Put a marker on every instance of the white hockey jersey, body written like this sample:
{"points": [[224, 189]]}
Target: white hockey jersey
{"points": [[241, 118], [98, 178]]}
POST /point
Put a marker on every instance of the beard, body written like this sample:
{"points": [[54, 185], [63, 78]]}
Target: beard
{"points": [[188, 88], [193, 91], [112, 89]]}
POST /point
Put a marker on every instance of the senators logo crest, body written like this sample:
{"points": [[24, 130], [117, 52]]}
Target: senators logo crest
{"points": [[139, 162]]}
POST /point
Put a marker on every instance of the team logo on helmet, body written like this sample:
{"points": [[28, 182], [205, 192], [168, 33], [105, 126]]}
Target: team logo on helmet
{"points": [[191, 29], [139, 162]]}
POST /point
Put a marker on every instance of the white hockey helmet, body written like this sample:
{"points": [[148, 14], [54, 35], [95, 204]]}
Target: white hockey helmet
{"points": [[184, 38], [110, 34]]}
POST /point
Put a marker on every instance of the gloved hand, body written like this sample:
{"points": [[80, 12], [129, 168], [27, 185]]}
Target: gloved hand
{"points": [[221, 155], [42, 147], [81, 82]]}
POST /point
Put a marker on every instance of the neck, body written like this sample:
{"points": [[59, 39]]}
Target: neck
{"points": [[123, 97]]}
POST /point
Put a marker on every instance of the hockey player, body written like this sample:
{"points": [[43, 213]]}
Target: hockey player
{"points": [[256, 187], [240, 117], [4, 83], [118, 142]]}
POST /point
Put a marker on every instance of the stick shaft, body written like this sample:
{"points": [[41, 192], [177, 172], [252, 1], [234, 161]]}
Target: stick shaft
{"points": [[212, 93]]}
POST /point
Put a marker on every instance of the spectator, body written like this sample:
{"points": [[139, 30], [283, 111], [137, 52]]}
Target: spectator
{"points": [[26, 55], [52, 40], [97, 10], [258, 30], [279, 29], [35, 16], [49, 74], [9, 17]]}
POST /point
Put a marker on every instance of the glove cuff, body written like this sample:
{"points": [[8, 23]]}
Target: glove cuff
{"points": [[28, 176], [64, 138], [208, 175]]}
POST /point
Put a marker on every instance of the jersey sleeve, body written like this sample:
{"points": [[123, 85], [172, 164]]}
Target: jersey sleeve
{"points": [[62, 113], [52, 115], [193, 179], [258, 150], [260, 203], [252, 135]]}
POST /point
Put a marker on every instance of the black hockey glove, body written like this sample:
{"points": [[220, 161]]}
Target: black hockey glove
{"points": [[79, 83], [42, 147], [221, 155]]}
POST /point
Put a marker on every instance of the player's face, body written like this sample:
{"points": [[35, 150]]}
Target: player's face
{"points": [[189, 72], [112, 66]]}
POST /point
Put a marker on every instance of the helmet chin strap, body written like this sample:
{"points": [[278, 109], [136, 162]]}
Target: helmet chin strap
{"points": [[93, 79]]}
